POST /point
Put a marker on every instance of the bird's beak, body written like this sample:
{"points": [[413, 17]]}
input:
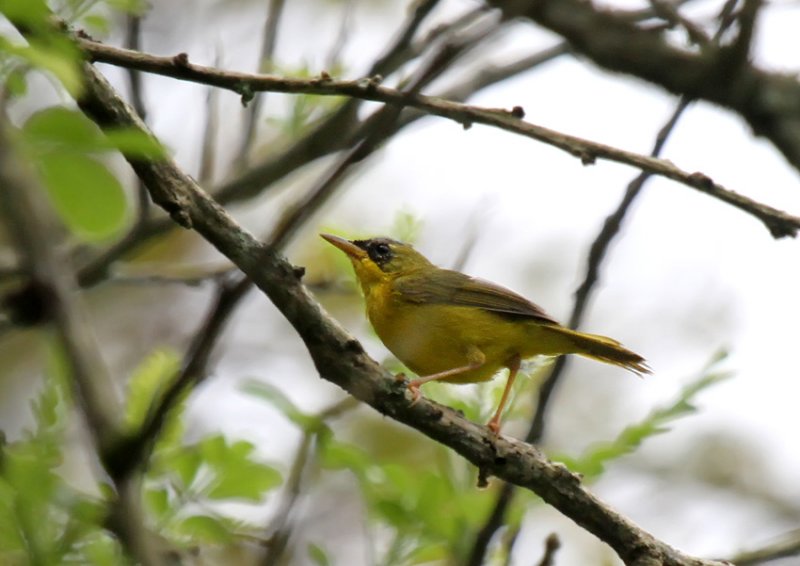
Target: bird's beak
{"points": [[346, 246]]}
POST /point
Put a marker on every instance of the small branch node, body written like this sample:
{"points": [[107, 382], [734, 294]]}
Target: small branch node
{"points": [[181, 60], [353, 346], [246, 92], [518, 112], [374, 82], [483, 478], [566, 473], [588, 158], [179, 215], [701, 180], [298, 271], [779, 229]]}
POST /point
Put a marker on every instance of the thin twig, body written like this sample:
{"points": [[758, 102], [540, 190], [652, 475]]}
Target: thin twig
{"points": [[252, 113], [134, 452], [280, 529], [333, 58], [396, 54], [133, 36], [779, 223], [789, 545], [670, 12], [551, 546], [208, 151]]}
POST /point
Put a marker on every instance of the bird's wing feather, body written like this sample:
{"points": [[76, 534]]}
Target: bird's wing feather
{"points": [[455, 288]]}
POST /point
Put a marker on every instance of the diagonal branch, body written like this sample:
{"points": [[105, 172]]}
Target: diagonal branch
{"points": [[340, 359], [779, 223]]}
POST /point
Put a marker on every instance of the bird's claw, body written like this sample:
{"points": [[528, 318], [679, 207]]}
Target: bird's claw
{"points": [[416, 395]]}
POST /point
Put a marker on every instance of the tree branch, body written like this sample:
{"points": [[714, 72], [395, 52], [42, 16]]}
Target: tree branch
{"points": [[769, 102], [779, 223], [340, 359]]}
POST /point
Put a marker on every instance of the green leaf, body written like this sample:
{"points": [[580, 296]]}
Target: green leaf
{"points": [[134, 142], [280, 401], [184, 461], [16, 83], [338, 455], [157, 501], [88, 197], [97, 23], [130, 6], [148, 383], [34, 13], [318, 555], [237, 474], [431, 552], [100, 549], [593, 461], [12, 537], [205, 528], [56, 55], [406, 227], [58, 128], [28, 471]]}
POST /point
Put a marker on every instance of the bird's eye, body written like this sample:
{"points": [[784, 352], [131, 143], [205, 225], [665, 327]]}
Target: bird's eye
{"points": [[380, 252]]}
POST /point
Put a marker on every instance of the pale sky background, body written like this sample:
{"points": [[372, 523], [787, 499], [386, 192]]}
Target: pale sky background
{"points": [[690, 275]]}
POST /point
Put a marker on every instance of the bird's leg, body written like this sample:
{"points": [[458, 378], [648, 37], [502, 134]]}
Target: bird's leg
{"points": [[513, 367], [476, 359]]}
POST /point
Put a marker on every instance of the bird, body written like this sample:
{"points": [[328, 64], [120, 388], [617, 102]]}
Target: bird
{"points": [[447, 326]]}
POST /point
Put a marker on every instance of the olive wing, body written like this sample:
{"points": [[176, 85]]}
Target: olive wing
{"points": [[454, 288]]}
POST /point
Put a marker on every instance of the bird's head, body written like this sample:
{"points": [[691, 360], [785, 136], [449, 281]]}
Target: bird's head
{"points": [[378, 259]]}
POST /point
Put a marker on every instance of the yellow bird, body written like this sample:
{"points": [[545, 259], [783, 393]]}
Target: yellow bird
{"points": [[448, 326]]}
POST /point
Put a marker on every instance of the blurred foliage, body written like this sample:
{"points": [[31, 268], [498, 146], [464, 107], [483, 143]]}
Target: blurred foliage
{"points": [[44, 520], [63, 146], [593, 461]]}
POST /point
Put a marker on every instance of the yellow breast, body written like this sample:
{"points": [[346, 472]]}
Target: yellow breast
{"points": [[430, 338]]}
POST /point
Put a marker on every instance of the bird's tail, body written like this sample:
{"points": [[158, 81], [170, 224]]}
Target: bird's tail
{"points": [[601, 348]]}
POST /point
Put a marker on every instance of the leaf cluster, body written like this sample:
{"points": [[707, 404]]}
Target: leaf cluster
{"points": [[45, 520]]}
